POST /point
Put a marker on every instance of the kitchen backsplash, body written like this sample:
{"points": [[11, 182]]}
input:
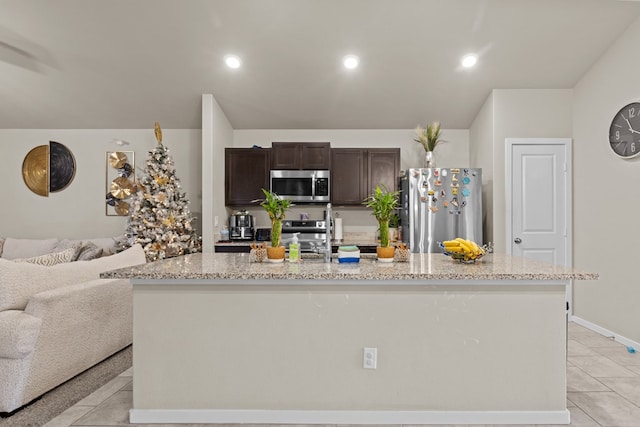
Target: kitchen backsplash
{"points": [[357, 223]]}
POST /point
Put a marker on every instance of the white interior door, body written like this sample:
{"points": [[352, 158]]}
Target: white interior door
{"points": [[539, 199]]}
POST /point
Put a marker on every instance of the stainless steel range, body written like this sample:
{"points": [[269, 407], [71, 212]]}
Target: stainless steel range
{"points": [[312, 234]]}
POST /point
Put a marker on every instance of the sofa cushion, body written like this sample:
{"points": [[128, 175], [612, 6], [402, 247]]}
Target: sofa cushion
{"points": [[52, 258], [27, 248], [1, 245], [18, 281]]}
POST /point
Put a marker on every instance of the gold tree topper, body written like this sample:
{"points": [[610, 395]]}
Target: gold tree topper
{"points": [[158, 132]]}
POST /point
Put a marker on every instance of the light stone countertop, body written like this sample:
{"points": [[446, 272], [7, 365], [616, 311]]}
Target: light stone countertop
{"points": [[421, 267]]}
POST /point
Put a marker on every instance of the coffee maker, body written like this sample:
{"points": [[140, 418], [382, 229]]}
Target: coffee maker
{"points": [[241, 226]]}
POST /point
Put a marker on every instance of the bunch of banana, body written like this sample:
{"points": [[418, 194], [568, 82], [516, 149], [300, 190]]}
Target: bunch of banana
{"points": [[464, 249]]}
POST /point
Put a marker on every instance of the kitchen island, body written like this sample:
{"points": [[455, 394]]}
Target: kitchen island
{"points": [[218, 339]]}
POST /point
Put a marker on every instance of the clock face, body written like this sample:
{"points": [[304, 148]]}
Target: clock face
{"points": [[624, 133]]}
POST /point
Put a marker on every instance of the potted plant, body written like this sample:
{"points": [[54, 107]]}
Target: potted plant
{"points": [[276, 207], [429, 138], [383, 203], [394, 225]]}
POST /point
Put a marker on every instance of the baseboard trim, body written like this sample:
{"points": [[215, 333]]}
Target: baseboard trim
{"points": [[606, 332], [215, 416]]}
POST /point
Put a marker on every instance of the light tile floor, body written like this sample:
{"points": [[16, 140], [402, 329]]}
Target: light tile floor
{"points": [[603, 389]]}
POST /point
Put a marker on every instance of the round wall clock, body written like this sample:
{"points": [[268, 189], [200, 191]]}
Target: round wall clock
{"points": [[624, 133]]}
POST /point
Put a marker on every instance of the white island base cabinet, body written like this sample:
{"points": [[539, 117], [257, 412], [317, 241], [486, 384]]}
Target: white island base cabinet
{"points": [[279, 352]]}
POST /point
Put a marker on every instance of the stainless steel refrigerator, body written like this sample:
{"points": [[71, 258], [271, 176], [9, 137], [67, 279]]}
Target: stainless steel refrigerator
{"points": [[439, 204]]}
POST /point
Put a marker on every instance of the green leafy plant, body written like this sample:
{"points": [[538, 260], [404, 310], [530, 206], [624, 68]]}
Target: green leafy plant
{"points": [[394, 221], [383, 203], [276, 207], [429, 137]]}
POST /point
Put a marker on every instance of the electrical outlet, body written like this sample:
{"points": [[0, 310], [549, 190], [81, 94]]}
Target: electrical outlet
{"points": [[370, 358]]}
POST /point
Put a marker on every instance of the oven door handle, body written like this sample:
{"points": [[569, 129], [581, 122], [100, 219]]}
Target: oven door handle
{"points": [[313, 186]]}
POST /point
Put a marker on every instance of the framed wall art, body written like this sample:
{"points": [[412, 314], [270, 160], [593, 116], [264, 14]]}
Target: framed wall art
{"points": [[120, 182]]}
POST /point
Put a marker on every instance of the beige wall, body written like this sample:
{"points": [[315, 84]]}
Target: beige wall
{"points": [[79, 210], [607, 192], [515, 113], [481, 149], [217, 134]]}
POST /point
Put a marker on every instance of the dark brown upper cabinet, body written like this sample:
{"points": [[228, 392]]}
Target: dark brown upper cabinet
{"points": [[356, 172], [383, 168], [301, 155], [246, 173], [347, 183]]}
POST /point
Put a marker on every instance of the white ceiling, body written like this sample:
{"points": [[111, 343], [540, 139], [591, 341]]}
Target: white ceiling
{"points": [[128, 63]]}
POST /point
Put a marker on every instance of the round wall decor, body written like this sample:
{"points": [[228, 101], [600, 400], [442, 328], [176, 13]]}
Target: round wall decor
{"points": [[35, 170], [48, 168]]}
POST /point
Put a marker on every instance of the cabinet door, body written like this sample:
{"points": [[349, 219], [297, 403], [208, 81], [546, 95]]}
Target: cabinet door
{"points": [[301, 155], [383, 168], [348, 173], [315, 155], [246, 174], [285, 155]]}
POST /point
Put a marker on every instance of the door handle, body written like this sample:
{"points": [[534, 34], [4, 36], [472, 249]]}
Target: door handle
{"points": [[517, 240]]}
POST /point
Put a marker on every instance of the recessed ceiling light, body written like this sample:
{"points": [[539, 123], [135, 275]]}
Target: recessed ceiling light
{"points": [[469, 61], [350, 61], [232, 61]]}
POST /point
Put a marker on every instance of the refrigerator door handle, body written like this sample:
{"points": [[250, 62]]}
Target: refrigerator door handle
{"points": [[517, 240]]}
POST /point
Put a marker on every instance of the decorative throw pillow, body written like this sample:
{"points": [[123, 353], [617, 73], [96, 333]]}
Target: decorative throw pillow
{"points": [[65, 244], [107, 244], [51, 259], [88, 252]]}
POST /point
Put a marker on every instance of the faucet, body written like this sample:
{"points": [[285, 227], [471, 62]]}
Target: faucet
{"points": [[327, 246]]}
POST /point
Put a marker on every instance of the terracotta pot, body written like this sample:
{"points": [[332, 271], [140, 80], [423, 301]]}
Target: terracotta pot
{"points": [[276, 253], [387, 252]]}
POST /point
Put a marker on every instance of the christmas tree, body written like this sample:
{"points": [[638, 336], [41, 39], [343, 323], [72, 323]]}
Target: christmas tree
{"points": [[159, 218]]}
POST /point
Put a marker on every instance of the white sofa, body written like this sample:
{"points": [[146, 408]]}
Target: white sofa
{"points": [[57, 321]]}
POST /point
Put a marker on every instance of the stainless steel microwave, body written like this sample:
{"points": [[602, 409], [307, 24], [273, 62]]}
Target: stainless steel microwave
{"points": [[302, 186]]}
